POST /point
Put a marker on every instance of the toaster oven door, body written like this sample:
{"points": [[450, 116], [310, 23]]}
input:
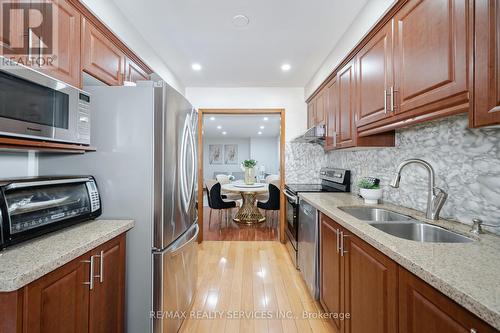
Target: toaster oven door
{"points": [[33, 210]]}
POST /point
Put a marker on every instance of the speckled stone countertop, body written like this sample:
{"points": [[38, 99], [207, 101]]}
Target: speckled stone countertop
{"points": [[468, 273], [26, 262]]}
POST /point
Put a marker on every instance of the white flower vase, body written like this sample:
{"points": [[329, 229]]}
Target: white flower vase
{"points": [[249, 176], [371, 196]]}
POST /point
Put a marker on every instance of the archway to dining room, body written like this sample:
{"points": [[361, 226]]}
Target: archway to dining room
{"points": [[234, 202]]}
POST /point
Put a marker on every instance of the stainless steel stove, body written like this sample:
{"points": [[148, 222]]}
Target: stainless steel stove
{"points": [[302, 220]]}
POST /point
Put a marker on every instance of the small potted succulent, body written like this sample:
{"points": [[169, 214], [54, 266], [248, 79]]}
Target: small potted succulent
{"points": [[249, 167], [370, 191]]}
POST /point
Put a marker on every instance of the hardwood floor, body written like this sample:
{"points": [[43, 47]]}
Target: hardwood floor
{"points": [[238, 280], [235, 231]]}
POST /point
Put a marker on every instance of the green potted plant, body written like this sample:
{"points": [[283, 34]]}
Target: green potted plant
{"points": [[249, 167], [369, 191]]}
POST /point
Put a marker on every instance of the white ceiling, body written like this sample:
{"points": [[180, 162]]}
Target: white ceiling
{"points": [[298, 32], [236, 126]]}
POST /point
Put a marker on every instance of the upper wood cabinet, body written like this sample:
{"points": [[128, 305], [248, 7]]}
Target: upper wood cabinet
{"points": [[66, 43], [346, 111], [316, 110], [331, 114], [431, 57], [374, 74], [134, 72], [486, 109], [424, 309], [100, 57], [15, 37], [311, 116]]}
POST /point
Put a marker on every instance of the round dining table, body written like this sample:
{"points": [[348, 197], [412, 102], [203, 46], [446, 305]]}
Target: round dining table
{"points": [[248, 212]]}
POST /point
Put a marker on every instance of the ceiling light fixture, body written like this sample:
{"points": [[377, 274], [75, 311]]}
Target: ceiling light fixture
{"points": [[219, 126], [224, 133], [240, 21], [212, 118], [259, 133], [196, 67], [285, 67], [261, 127], [266, 119]]}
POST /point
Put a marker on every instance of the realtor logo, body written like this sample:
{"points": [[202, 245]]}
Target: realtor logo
{"points": [[35, 20]]}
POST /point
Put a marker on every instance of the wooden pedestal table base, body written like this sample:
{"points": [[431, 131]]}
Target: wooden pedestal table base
{"points": [[248, 212]]}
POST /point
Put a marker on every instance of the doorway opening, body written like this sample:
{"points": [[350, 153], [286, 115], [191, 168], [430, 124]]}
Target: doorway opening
{"points": [[235, 203]]}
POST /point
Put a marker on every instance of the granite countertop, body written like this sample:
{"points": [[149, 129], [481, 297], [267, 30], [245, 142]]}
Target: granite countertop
{"points": [[468, 273], [24, 263]]}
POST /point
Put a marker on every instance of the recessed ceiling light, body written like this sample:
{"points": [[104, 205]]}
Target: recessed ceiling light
{"points": [[261, 127], [285, 67], [266, 119], [196, 67], [219, 126], [259, 133], [240, 21], [212, 118], [224, 133]]}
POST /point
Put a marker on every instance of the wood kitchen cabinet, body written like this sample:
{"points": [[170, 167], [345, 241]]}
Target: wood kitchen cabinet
{"points": [[107, 297], [375, 77], [431, 57], [134, 72], [331, 114], [316, 110], [66, 31], [65, 301], [100, 57], [346, 106], [311, 116], [15, 36], [486, 110], [424, 309]]}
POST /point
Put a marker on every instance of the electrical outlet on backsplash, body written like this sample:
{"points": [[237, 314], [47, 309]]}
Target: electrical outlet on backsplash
{"points": [[466, 162]]}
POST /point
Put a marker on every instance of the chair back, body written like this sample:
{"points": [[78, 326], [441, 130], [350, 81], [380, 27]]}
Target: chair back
{"points": [[223, 179], [215, 199], [273, 203], [271, 178]]}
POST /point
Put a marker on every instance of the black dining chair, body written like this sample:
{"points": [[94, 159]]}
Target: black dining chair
{"points": [[273, 203], [215, 201]]}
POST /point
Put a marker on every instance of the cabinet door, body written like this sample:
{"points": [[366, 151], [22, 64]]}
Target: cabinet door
{"points": [[320, 108], [346, 82], [100, 57], [371, 288], [330, 269], [14, 37], [331, 114], [107, 298], [374, 77], [424, 309], [58, 301], [487, 63], [66, 23], [134, 72], [311, 116], [430, 56]]}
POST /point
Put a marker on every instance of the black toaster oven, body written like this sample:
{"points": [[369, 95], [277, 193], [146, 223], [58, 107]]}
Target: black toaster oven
{"points": [[30, 207]]}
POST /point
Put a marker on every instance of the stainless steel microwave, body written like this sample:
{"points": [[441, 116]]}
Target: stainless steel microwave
{"points": [[37, 106]]}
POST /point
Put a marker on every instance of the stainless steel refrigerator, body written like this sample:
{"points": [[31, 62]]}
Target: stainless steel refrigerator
{"points": [[145, 167]]}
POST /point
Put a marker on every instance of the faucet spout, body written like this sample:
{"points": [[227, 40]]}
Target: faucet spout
{"points": [[436, 197]]}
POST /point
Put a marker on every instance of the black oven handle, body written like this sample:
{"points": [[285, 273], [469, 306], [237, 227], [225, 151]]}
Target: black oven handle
{"points": [[289, 196]]}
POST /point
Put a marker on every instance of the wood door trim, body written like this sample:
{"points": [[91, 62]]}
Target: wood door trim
{"points": [[202, 112]]}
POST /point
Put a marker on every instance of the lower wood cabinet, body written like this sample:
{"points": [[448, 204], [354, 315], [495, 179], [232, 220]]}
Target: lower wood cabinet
{"points": [[72, 298], [378, 295]]}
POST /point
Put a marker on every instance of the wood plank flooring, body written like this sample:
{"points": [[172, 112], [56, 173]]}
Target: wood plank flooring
{"points": [[235, 231], [245, 286]]}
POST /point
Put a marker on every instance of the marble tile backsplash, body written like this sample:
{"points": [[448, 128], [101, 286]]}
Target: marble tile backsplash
{"points": [[466, 162]]}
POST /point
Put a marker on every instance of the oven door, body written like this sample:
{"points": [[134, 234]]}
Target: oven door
{"points": [[34, 105], [292, 217]]}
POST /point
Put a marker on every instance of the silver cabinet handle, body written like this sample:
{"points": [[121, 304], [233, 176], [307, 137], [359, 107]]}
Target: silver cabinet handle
{"points": [[393, 107], [101, 267], [335, 139], [342, 251], [385, 101], [91, 274], [337, 232]]}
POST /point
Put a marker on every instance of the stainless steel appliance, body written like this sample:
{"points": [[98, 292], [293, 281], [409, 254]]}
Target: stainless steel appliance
{"points": [[30, 207], [34, 105], [302, 223], [146, 167], [315, 134]]}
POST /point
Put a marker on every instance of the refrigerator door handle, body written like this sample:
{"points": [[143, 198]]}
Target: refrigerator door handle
{"points": [[193, 162], [189, 241], [183, 178]]}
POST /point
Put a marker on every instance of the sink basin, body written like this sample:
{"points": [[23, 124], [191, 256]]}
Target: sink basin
{"points": [[375, 214], [421, 232]]}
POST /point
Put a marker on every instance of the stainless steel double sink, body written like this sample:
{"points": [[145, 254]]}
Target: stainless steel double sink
{"points": [[404, 226]]}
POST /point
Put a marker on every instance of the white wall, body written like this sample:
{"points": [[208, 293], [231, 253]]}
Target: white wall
{"points": [[13, 164], [266, 152], [291, 99], [243, 154], [368, 16], [114, 19]]}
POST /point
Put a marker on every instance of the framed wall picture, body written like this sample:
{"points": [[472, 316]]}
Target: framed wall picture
{"points": [[215, 154], [231, 154]]}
